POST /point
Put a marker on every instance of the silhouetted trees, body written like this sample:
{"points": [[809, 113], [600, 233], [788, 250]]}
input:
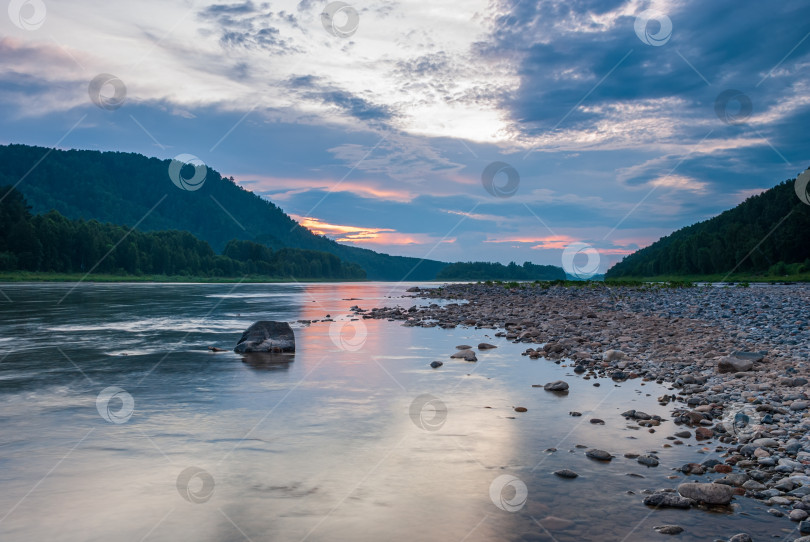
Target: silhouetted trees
{"points": [[498, 271], [52, 243], [121, 188], [749, 238]]}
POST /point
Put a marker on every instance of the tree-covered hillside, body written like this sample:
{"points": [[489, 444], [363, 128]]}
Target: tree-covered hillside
{"points": [[122, 188], [52, 243], [766, 232]]}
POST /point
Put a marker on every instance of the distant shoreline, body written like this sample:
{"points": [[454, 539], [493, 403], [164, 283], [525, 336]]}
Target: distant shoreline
{"points": [[18, 277]]}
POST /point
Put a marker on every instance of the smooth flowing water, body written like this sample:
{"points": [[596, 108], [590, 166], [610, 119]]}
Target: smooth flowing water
{"points": [[118, 423]]}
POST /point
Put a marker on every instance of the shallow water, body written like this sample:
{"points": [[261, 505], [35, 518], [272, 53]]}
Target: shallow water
{"points": [[331, 446]]}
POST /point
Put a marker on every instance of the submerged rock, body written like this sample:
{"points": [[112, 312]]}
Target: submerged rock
{"points": [[669, 529], [566, 473], [436, 364], [267, 336]]}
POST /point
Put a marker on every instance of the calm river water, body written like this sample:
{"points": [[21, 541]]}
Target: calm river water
{"points": [[119, 424]]}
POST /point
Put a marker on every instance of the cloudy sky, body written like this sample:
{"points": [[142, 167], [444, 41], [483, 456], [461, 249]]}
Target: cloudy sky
{"points": [[377, 122]]}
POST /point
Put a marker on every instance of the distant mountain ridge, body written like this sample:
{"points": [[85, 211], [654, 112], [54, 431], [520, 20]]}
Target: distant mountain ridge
{"points": [[129, 189], [769, 232]]}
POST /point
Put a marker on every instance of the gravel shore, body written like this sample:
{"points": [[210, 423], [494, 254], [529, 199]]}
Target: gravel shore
{"points": [[734, 360]]}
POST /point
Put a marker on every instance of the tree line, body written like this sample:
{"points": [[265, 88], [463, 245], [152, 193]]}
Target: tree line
{"points": [[498, 271], [767, 233], [51, 242]]}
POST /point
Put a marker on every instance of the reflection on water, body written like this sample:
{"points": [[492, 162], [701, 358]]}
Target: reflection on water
{"points": [[322, 445]]}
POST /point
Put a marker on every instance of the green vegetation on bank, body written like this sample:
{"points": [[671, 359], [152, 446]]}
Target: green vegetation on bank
{"points": [[498, 271], [53, 244], [129, 189], [765, 238], [29, 276]]}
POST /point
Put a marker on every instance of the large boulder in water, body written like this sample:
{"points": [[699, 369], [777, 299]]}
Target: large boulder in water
{"points": [[267, 336]]}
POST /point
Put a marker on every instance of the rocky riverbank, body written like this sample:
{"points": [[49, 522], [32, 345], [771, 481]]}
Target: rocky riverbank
{"points": [[734, 360]]}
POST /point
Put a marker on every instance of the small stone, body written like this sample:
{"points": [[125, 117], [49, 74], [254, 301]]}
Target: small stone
{"points": [[683, 434], [597, 421], [464, 347], [486, 346], [741, 537], [436, 364], [798, 515], [521, 409], [648, 460], [599, 455], [667, 500], [669, 529], [703, 433], [566, 473], [558, 385], [613, 355], [575, 414]]}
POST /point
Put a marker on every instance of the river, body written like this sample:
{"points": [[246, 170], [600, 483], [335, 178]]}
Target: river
{"points": [[119, 423]]}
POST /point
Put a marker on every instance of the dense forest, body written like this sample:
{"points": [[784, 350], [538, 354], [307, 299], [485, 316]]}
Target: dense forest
{"points": [[498, 271], [52, 243], [767, 233], [121, 188]]}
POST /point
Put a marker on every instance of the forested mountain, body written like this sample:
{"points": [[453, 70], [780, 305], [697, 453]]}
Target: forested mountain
{"points": [[53, 243], [498, 271], [769, 232], [121, 188]]}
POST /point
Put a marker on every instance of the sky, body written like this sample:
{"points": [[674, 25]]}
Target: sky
{"points": [[458, 130]]}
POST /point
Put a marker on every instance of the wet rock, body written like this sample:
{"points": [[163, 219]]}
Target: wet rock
{"points": [[267, 336], [703, 433], [521, 409], [710, 493], [798, 515], [566, 473], [741, 537], [599, 455], [436, 364], [466, 355], [597, 421], [648, 460], [463, 347], [669, 529], [558, 385], [486, 346], [667, 500]]}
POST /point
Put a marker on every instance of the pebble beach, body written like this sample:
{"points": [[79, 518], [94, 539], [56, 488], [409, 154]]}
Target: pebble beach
{"points": [[731, 363]]}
